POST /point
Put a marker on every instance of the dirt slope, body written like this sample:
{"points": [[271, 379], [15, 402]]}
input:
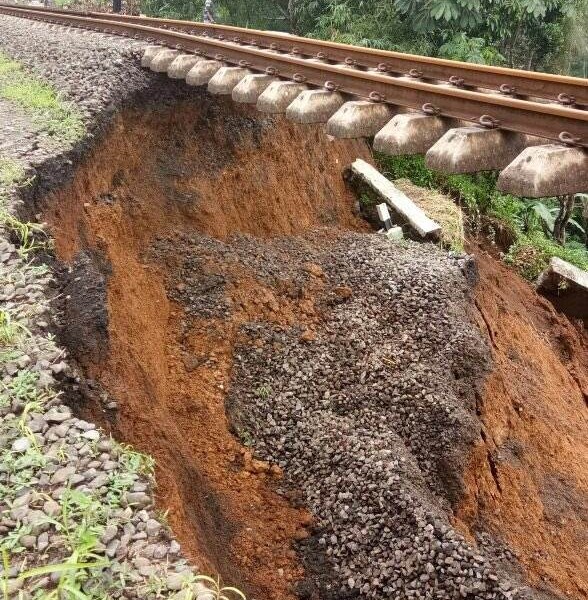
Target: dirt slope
{"points": [[528, 479], [192, 167], [163, 173]]}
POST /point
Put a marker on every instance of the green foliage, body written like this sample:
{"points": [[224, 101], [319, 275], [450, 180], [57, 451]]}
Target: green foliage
{"points": [[11, 172], [534, 34], [470, 49], [530, 221], [531, 253], [54, 116]]}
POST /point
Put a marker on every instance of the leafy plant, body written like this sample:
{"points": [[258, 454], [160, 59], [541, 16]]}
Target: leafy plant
{"points": [[470, 49], [26, 233], [9, 328]]}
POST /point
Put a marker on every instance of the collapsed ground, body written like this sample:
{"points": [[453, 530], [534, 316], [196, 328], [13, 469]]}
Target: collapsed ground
{"points": [[352, 368]]}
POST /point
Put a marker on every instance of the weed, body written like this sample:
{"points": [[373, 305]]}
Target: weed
{"points": [[218, 592], [136, 462], [26, 233], [54, 116], [9, 329], [23, 388], [263, 391], [245, 437], [531, 254], [10, 172]]}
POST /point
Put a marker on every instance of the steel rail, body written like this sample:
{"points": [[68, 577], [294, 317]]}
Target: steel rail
{"points": [[515, 83], [533, 118]]}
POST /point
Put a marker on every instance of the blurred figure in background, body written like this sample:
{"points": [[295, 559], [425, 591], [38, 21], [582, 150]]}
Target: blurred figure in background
{"points": [[208, 15]]}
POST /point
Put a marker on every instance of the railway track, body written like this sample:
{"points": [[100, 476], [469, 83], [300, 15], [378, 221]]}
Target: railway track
{"points": [[465, 117]]}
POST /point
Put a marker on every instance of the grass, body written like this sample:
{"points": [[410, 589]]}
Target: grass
{"points": [[532, 249], [11, 172], [50, 112], [9, 328], [29, 236], [442, 209]]}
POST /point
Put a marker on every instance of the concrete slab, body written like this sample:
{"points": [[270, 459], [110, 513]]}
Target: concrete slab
{"points": [[546, 170], [401, 205], [202, 72], [276, 98], [314, 106], [225, 79], [471, 149], [250, 88], [358, 118], [411, 133], [163, 60], [567, 287], [149, 54], [180, 66]]}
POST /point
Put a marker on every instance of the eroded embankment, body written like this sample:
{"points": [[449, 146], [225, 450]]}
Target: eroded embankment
{"points": [[160, 174], [527, 482], [351, 364]]}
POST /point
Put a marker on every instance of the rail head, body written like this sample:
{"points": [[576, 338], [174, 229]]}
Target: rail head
{"points": [[566, 90], [549, 120]]}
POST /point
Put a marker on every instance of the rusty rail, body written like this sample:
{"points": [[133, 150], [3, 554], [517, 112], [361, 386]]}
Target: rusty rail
{"points": [[288, 58], [569, 91]]}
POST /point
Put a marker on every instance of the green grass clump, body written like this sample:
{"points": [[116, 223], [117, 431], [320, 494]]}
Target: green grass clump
{"points": [[54, 116], [10, 172], [532, 249], [531, 253]]}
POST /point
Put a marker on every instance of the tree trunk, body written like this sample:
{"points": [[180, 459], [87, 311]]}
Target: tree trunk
{"points": [[584, 200], [566, 206]]}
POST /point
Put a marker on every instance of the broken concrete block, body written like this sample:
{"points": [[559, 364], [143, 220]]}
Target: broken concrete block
{"points": [[410, 133], [163, 60], [546, 170], [358, 118], [250, 88], [180, 66], [276, 98], [314, 106], [225, 79], [567, 287], [400, 204], [202, 72]]}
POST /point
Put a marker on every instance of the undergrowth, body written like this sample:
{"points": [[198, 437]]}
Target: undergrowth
{"points": [[532, 248], [11, 172], [50, 112]]}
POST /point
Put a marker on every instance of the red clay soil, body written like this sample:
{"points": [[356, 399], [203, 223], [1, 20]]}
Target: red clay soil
{"points": [[527, 482], [169, 374], [162, 173]]}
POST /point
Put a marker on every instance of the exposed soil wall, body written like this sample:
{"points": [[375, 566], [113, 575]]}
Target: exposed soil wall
{"points": [[159, 173], [527, 482], [146, 307]]}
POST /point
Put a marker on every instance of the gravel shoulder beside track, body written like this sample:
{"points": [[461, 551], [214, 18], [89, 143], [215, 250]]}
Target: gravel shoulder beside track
{"points": [[64, 484]]}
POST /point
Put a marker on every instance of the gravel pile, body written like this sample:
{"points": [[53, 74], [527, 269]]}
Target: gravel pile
{"points": [[372, 414]]}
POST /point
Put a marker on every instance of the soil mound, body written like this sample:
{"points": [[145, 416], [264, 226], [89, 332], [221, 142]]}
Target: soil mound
{"points": [[528, 479]]}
